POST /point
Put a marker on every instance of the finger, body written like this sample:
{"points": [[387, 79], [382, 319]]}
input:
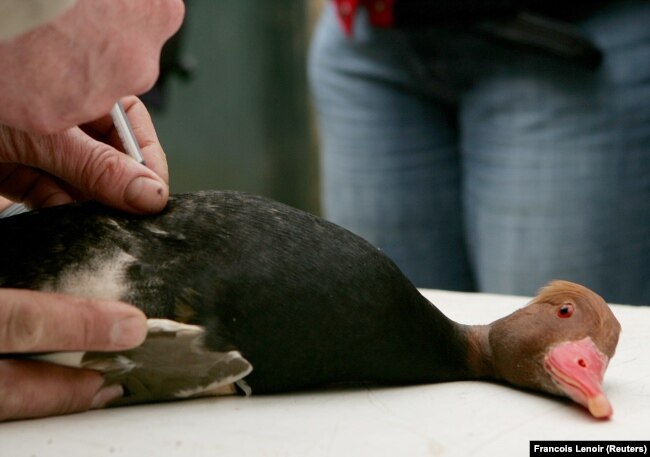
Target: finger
{"points": [[100, 171], [32, 187], [147, 137], [143, 129], [36, 389], [5, 203], [33, 321], [35, 188]]}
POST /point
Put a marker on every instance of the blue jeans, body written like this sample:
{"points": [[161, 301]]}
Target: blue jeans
{"points": [[478, 166]]}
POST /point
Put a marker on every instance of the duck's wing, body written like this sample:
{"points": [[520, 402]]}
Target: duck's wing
{"points": [[173, 363]]}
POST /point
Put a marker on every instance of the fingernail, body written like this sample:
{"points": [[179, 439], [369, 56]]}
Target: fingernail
{"points": [[105, 395], [129, 332], [145, 194]]}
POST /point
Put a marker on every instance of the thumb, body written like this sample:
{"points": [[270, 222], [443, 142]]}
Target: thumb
{"points": [[101, 172]]}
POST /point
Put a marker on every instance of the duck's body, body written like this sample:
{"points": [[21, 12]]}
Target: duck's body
{"points": [[306, 302]]}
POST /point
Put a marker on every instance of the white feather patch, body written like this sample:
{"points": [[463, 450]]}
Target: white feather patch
{"points": [[99, 278]]}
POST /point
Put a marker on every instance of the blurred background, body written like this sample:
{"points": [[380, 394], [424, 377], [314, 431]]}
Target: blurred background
{"points": [[232, 107]]}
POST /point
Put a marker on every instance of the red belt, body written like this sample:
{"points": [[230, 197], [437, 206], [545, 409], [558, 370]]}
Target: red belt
{"points": [[380, 12]]}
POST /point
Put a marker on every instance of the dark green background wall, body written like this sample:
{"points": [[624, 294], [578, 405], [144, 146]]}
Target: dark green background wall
{"points": [[242, 121]]}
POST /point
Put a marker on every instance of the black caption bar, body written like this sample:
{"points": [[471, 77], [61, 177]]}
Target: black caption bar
{"points": [[589, 448]]}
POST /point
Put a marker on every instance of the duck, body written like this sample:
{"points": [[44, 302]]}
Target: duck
{"points": [[245, 295]]}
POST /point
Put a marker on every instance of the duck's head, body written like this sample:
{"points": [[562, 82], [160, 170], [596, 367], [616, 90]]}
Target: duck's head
{"points": [[560, 343]]}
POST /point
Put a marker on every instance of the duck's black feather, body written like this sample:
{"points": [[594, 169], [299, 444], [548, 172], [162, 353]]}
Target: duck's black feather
{"points": [[305, 301]]}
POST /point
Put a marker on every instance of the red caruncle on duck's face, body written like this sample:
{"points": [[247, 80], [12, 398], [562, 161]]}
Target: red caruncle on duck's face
{"points": [[560, 343]]}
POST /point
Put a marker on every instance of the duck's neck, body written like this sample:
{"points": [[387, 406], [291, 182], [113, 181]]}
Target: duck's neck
{"points": [[479, 351]]}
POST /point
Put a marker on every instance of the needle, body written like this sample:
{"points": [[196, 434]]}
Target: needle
{"points": [[125, 131]]}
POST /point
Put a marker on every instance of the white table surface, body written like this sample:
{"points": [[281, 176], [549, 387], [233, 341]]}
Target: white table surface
{"points": [[452, 419]]}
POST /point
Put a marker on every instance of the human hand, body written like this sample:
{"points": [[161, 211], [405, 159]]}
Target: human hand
{"points": [[33, 321], [85, 162], [73, 69]]}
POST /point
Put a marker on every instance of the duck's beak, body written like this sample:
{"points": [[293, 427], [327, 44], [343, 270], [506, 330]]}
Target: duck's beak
{"points": [[577, 367]]}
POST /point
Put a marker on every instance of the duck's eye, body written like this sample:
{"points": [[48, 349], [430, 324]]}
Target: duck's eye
{"points": [[566, 310]]}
